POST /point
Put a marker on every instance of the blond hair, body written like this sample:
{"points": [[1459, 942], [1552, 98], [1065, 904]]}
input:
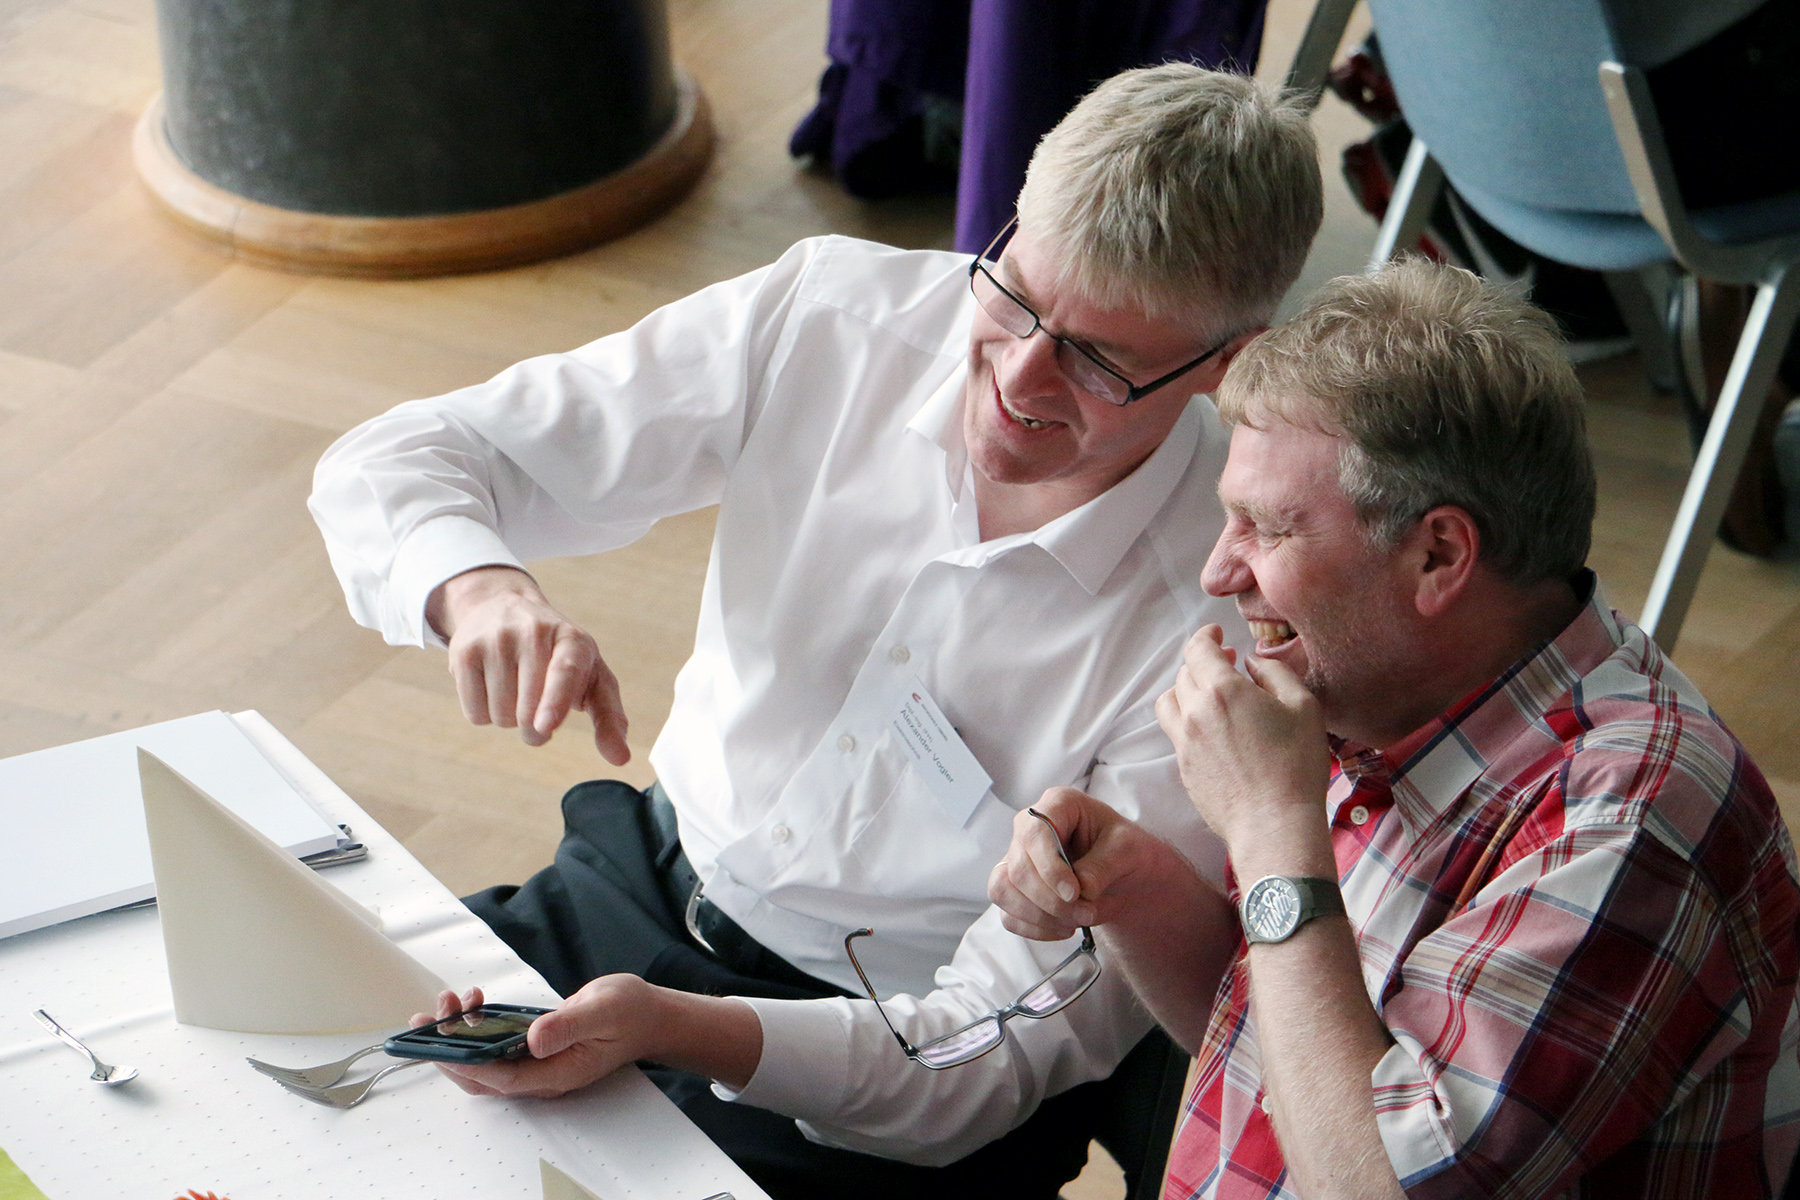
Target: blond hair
{"points": [[1184, 192], [1447, 390]]}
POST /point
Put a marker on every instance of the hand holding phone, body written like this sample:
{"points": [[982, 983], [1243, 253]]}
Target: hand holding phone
{"points": [[487, 1033]]}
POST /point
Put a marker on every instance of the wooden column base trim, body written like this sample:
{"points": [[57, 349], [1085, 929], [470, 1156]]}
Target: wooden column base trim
{"points": [[400, 247]]}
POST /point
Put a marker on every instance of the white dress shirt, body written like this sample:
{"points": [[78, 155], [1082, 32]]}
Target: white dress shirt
{"points": [[818, 403]]}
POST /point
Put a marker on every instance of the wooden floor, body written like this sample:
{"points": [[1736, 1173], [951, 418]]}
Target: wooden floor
{"points": [[161, 410]]}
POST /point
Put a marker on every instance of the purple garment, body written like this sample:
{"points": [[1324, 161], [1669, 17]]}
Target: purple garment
{"points": [[1017, 66], [888, 59]]}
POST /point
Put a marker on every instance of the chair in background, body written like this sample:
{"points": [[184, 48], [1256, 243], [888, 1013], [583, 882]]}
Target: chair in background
{"points": [[1318, 45], [1538, 111]]}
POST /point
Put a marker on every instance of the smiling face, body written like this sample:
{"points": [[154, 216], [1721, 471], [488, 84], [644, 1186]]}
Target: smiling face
{"points": [[1026, 425], [1319, 598]]}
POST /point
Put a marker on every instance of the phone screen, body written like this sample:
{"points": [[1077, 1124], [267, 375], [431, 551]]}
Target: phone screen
{"points": [[483, 1026], [493, 1031]]}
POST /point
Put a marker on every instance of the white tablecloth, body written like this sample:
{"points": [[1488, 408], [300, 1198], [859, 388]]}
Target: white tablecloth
{"points": [[198, 1117]]}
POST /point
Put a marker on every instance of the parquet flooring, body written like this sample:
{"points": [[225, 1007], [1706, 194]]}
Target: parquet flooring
{"points": [[161, 409]]}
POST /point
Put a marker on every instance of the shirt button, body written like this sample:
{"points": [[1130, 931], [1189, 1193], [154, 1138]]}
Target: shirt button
{"points": [[780, 834], [1268, 1105], [1359, 815], [900, 654], [846, 743]]}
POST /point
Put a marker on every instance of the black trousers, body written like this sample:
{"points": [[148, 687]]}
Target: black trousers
{"points": [[615, 901]]}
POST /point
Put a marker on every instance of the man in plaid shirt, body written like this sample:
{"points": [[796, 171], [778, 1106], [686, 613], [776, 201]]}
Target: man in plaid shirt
{"points": [[1568, 965]]}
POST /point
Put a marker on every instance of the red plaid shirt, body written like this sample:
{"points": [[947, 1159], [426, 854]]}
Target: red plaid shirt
{"points": [[1612, 1013]]}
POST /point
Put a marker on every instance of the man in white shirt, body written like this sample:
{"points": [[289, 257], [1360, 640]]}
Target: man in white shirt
{"points": [[962, 515]]}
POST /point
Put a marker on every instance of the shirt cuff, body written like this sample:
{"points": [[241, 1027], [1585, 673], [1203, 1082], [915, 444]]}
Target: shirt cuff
{"points": [[439, 549], [804, 1072]]}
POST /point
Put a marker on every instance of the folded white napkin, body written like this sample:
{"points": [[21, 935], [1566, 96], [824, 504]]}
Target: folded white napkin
{"points": [[257, 942]]}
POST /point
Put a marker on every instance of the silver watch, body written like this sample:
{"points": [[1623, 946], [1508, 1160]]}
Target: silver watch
{"points": [[1277, 905]]}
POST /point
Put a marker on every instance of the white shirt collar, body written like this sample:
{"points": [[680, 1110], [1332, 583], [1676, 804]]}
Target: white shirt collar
{"points": [[939, 421], [1088, 541]]}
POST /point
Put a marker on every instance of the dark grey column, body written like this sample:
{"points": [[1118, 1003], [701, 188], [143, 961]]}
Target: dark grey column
{"points": [[412, 107]]}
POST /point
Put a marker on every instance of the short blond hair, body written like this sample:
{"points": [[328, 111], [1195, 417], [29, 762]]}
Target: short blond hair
{"points": [[1185, 192], [1447, 390]]}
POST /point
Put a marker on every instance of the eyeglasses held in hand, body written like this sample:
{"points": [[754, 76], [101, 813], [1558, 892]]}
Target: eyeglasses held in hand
{"points": [[1053, 993], [1079, 364]]}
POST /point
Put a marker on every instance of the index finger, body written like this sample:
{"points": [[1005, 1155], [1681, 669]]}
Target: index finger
{"points": [[482, 1079], [1208, 646], [552, 1075], [1279, 680], [607, 709], [1052, 861], [566, 681]]}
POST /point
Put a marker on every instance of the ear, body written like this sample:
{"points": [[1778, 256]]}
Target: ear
{"points": [[1212, 372], [1445, 547]]}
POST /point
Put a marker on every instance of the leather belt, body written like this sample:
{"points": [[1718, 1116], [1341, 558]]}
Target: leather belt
{"points": [[708, 924], [693, 918]]}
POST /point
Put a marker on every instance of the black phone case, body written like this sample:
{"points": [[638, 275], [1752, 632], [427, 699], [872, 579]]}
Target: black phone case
{"points": [[437, 1048]]}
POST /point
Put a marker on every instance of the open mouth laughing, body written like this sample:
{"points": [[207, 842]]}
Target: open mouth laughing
{"points": [[1270, 634]]}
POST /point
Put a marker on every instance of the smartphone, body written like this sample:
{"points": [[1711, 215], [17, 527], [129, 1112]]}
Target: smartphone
{"points": [[485, 1034]]}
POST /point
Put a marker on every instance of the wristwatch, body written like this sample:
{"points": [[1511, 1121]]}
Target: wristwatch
{"points": [[1277, 905]]}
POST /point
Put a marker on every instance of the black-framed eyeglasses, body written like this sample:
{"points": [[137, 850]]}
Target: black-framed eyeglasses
{"points": [[1050, 995], [1082, 366]]}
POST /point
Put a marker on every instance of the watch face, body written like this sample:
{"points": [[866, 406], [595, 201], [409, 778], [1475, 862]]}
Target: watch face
{"points": [[1272, 909]]}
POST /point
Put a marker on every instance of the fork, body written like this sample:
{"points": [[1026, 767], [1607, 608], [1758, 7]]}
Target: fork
{"points": [[349, 1095], [314, 1077], [328, 1073]]}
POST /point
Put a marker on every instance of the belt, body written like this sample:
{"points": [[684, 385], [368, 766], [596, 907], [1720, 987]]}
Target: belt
{"points": [[722, 936], [693, 918], [706, 922], [709, 925]]}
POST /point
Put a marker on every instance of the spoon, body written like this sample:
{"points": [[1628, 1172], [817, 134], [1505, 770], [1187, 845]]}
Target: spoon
{"points": [[110, 1076]]}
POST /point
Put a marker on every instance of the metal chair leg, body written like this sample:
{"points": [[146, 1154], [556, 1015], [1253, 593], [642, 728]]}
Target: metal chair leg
{"points": [[1642, 299], [1312, 60], [1420, 183], [1721, 456]]}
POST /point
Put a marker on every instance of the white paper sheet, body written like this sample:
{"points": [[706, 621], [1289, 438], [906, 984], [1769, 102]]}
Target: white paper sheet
{"points": [[75, 842]]}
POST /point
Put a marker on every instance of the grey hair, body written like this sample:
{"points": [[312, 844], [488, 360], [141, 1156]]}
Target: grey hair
{"points": [[1447, 390], [1184, 192]]}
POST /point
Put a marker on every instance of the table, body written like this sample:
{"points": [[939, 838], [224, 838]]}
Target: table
{"points": [[199, 1117]]}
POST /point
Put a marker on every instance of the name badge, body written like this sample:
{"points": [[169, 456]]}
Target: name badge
{"points": [[939, 754]]}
